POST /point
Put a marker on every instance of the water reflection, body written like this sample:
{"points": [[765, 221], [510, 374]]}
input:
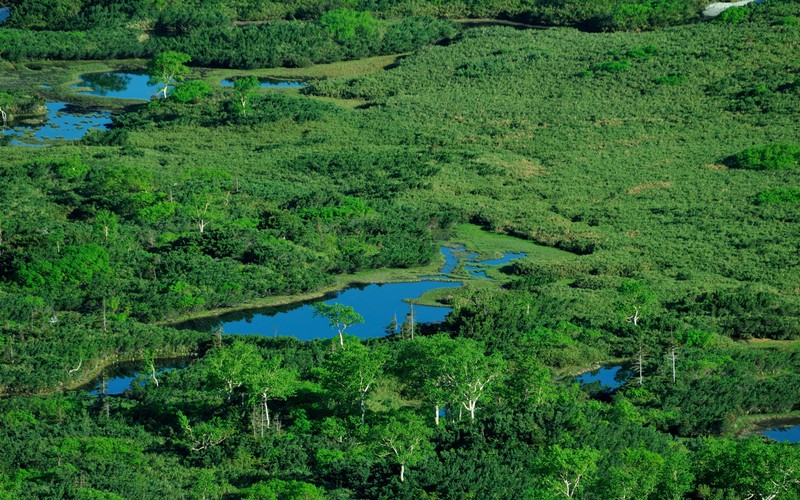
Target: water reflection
{"points": [[379, 304], [472, 266], [609, 377], [63, 121], [118, 378], [785, 434], [118, 85]]}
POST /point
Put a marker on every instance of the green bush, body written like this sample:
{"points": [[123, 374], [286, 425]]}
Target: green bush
{"points": [[733, 15], [778, 196], [769, 157], [670, 80], [613, 66]]}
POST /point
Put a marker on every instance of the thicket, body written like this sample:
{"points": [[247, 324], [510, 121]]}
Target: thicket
{"points": [[290, 43], [769, 157]]}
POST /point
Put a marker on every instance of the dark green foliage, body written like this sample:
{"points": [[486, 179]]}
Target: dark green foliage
{"points": [[769, 157], [670, 80]]}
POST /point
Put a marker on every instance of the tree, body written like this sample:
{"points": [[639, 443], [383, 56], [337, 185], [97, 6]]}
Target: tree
{"points": [[244, 88], [339, 316], [636, 477], [406, 441], [232, 366], [637, 301], [565, 469], [191, 92], [5, 100], [269, 380], [349, 374], [168, 68]]}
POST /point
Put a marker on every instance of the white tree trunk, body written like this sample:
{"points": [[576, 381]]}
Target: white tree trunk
{"points": [[402, 472], [673, 365], [436, 415]]}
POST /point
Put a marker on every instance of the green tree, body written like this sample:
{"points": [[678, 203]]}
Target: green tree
{"points": [[638, 300], [345, 24], [168, 68], [6, 99], [566, 469], [339, 316], [406, 441], [244, 88], [232, 366], [270, 380], [349, 374]]}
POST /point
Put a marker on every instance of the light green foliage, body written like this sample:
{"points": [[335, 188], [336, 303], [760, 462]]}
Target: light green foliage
{"points": [[245, 88], [345, 24], [339, 316], [769, 157], [405, 441], [168, 68], [636, 477], [750, 467], [350, 373], [566, 471], [191, 92]]}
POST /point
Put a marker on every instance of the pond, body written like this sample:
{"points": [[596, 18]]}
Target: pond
{"points": [[379, 304], [269, 83], [118, 378], [5, 13], [63, 121], [784, 434], [609, 377], [473, 267], [117, 85]]}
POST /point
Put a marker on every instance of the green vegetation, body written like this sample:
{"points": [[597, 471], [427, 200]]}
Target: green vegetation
{"points": [[778, 196], [769, 157], [647, 175]]}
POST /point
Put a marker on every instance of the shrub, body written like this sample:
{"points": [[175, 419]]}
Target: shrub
{"points": [[769, 157], [613, 66], [778, 196], [670, 80], [733, 15], [193, 91]]}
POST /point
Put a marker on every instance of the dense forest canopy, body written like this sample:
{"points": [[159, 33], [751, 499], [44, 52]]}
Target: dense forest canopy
{"points": [[659, 154]]}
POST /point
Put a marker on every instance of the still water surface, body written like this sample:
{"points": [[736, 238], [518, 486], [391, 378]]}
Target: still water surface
{"points": [[118, 85], [62, 122]]}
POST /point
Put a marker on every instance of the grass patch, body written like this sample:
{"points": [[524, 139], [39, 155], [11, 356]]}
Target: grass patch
{"points": [[490, 245]]}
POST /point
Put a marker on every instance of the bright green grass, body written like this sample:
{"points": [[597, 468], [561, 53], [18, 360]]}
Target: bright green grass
{"points": [[489, 245]]}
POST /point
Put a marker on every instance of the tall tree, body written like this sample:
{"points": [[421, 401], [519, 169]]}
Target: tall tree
{"points": [[270, 380], [339, 316], [565, 470], [405, 441], [244, 88], [349, 374], [168, 68]]}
